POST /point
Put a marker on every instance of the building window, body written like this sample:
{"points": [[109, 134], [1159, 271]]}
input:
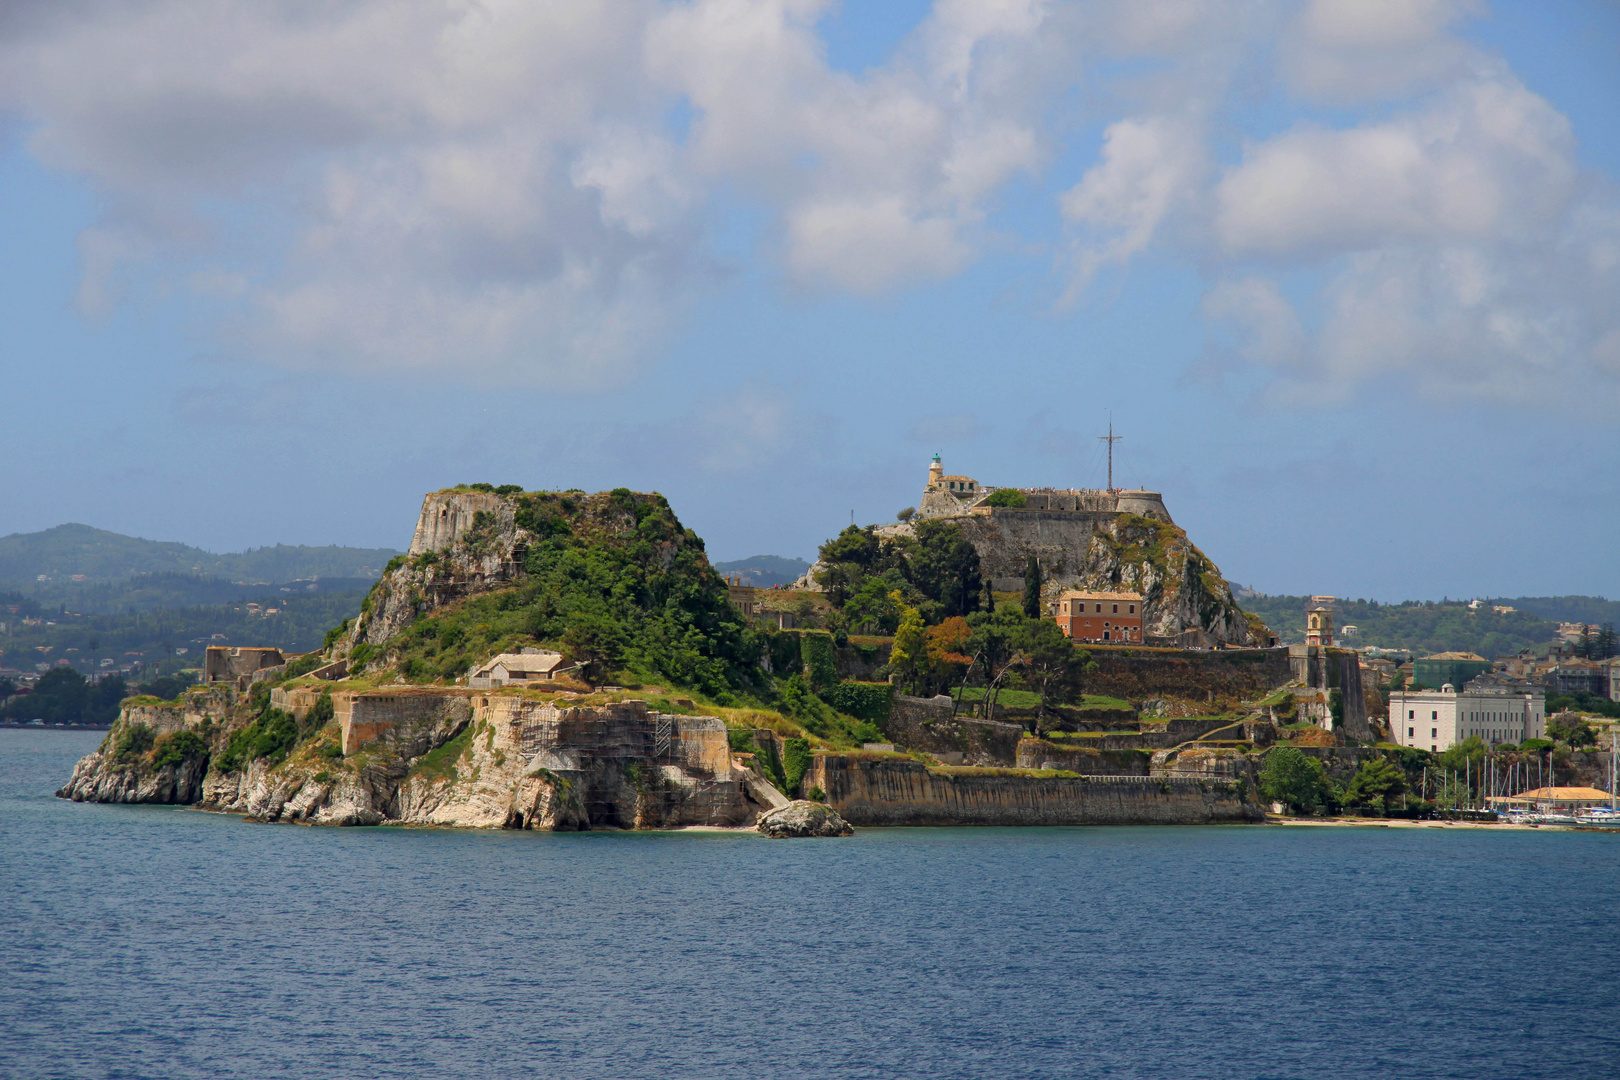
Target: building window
{"points": [[1409, 733], [1116, 609], [1411, 714], [1434, 733], [1434, 715], [1133, 609]]}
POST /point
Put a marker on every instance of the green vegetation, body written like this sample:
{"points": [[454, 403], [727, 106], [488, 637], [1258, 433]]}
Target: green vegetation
{"points": [[175, 748], [1032, 588], [133, 740], [1010, 498], [63, 696], [868, 578], [1295, 779], [1422, 628], [1585, 703], [613, 581], [1375, 787], [440, 762], [272, 736]]}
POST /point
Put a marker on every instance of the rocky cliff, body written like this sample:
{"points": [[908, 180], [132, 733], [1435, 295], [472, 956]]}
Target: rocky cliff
{"points": [[1182, 590], [499, 760]]}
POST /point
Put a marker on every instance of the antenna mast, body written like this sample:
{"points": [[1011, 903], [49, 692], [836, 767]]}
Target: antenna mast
{"points": [[1110, 439]]}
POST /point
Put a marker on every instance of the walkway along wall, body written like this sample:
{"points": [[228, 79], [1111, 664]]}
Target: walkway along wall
{"points": [[892, 790]]}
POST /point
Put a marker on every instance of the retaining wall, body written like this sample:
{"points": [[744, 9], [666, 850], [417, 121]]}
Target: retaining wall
{"points": [[896, 791]]}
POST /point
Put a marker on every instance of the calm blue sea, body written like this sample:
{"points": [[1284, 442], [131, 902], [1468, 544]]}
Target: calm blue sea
{"points": [[164, 943]]}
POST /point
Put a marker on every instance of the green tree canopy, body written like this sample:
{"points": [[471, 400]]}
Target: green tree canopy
{"points": [[1376, 784], [1294, 779], [1007, 497]]}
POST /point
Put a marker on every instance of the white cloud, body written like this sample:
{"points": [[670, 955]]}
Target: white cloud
{"points": [[1487, 159], [1148, 167], [1354, 50], [495, 189]]}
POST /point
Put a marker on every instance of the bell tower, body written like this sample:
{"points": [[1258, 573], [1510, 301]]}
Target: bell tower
{"points": [[1319, 622]]}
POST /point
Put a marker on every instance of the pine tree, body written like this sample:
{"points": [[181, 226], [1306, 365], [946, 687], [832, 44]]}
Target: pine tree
{"points": [[1032, 588]]}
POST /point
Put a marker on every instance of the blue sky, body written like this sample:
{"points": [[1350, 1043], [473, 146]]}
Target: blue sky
{"points": [[1345, 276]]}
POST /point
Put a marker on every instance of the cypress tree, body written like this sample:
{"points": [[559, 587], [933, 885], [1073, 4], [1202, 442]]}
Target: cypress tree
{"points": [[1032, 588]]}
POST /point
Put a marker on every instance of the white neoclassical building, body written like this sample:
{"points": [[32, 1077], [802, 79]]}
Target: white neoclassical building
{"points": [[1436, 719]]}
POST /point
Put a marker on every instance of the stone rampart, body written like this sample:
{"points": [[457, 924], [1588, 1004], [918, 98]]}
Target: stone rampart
{"points": [[401, 718], [925, 724], [893, 791], [1217, 677], [1087, 757]]}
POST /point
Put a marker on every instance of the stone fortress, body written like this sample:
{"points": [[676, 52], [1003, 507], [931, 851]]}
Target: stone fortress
{"points": [[953, 496], [1110, 540]]}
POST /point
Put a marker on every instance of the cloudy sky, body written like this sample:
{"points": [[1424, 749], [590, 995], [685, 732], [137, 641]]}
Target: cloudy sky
{"points": [[1344, 274]]}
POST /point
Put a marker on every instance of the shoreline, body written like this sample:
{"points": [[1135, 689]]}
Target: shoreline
{"points": [[1407, 823]]}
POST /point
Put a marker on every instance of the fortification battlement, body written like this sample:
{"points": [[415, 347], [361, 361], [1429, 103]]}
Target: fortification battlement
{"points": [[958, 496]]}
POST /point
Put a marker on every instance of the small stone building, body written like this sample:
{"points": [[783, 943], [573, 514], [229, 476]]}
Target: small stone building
{"points": [[519, 667], [1100, 616], [237, 664]]}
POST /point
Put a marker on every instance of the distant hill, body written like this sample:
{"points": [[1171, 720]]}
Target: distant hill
{"points": [[763, 571], [1586, 609], [1420, 627], [98, 555]]}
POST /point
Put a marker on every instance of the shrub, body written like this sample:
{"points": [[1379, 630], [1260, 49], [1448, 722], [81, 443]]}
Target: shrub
{"points": [[176, 748], [741, 741], [1007, 497], [817, 795], [270, 736], [795, 763], [819, 666], [134, 739], [322, 712], [862, 700]]}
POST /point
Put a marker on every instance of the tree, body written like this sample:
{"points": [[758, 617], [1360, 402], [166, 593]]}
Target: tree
{"points": [[910, 650], [945, 567], [1032, 588], [7, 688], [946, 649], [1007, 497], [1051, 661], [1571, 728], [1375, 785], [1294, 779], [906, 514]]}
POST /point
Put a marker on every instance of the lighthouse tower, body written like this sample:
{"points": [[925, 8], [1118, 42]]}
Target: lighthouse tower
{"points": [[936, 475]]}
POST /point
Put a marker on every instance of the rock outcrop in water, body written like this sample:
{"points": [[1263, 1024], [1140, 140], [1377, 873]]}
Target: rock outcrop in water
{"points": [[803, 819]]}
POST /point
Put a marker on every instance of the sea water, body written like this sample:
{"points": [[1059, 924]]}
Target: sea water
{"points": [[146, 941]]}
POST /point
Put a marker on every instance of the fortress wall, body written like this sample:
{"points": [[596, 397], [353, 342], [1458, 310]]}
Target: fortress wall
{"points": [[925, 724], [1095, 758], [701, 745], [162, 719], [1220, 677], [448, 515], [893, 791], [404, 719], [1005, 538]]}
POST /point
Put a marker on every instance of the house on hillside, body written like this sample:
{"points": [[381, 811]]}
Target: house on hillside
{"points": [[530, 665]]}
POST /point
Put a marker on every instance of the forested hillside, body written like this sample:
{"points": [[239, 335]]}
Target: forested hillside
{"points": [[68, 550], [1421, 627]]}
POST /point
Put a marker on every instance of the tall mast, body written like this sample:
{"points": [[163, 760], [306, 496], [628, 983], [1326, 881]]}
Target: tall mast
{"points": [[1110, 439]]}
